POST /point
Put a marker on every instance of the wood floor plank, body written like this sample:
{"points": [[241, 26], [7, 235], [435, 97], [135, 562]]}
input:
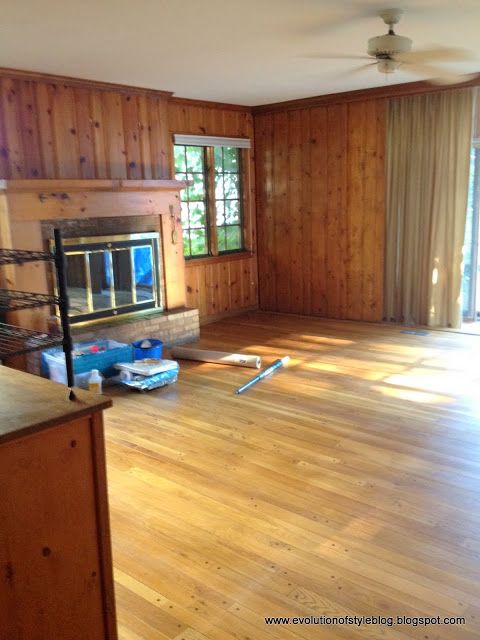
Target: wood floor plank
{"points": [[346, 484]]}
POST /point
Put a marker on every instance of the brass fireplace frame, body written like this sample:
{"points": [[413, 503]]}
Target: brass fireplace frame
{"points": [[88, 245]]}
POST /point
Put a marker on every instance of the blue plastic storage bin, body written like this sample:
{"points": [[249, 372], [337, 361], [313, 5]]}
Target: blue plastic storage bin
{"points": [[84, 359], [154, 351]]}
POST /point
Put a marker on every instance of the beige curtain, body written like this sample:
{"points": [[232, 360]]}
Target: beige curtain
{"points": [[428, 159]]}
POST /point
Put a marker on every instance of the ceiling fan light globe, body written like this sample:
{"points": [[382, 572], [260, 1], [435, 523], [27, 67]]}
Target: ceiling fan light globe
{"points": [[388, 45], [388, 66]]}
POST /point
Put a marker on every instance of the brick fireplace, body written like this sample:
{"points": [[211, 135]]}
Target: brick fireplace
{"points": [[83, 209]]}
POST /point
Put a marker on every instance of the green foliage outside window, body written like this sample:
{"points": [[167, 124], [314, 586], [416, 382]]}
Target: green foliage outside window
{"points": [[225, 209], [227, 199], [190, 165]]}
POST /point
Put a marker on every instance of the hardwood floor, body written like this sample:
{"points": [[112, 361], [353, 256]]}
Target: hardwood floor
{"points": [[347, 484]]}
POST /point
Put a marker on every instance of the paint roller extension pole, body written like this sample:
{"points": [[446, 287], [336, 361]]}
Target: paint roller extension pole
{"points": [[263, 374]]}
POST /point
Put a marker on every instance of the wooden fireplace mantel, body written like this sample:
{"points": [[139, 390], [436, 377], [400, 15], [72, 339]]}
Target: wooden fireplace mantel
{"points": [[70, 199], [25, 204], [91, 185]]}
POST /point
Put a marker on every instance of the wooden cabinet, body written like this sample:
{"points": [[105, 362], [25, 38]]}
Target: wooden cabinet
{"points": [[55, 558]]}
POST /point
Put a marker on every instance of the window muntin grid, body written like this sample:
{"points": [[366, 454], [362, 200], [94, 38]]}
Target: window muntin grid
{"points": [[190, 165]]}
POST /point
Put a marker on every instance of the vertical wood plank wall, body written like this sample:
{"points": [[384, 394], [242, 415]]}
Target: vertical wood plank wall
{"points": [[221, 286], [53, 130], [62, 129], [320, 209]]}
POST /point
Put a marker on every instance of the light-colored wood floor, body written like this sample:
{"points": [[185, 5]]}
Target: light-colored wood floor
{"points": [[348, 484]]}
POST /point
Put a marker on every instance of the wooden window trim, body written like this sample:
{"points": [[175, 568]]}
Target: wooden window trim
{"points": [[211, 223], [223, 257], [211, 210]]}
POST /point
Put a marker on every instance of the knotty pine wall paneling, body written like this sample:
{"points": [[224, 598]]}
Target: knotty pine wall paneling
{"points": [[320, 209], [227, 284], [52, 127], [54, 130]]}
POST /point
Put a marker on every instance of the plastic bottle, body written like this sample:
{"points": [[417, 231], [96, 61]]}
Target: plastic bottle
{"points": [[95, 381]]}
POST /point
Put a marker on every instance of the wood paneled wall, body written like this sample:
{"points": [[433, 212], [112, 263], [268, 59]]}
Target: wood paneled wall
{"points": [[218, 288], [221, 286], [66, 128], [53, 130], [320, 209]]}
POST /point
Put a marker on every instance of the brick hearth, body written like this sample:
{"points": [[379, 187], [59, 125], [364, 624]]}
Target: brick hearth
{"points": [[172, 327]]}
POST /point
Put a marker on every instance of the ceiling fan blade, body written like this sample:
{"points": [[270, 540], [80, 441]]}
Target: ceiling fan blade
{"points": [[452, 78], [435, 75], [350, 72], [437, 54], [321, 56]]}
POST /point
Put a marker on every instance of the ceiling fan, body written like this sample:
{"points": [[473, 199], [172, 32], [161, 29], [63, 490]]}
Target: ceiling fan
{"points": [[392, 51]]}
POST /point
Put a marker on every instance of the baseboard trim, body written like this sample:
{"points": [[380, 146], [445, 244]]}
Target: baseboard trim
{"points": [[226, 314]]}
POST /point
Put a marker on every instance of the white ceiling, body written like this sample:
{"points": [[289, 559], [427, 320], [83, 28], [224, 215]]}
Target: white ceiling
{"points": [[240, 51]]}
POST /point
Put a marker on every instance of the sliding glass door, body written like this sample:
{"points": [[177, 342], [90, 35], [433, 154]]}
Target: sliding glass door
{"points": [[471, 263]]}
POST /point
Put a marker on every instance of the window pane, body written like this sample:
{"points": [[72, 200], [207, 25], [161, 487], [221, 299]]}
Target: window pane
{"points": [[100, 279], [186, 242], [197, 190], [218, 158], [231, 181], [198, 242], [227, 194], [179, 155], [185, 214], [470, 278], [76, 284], [122, 277], [230, 160], [219, 193], [194, 159], [220, 207], [232, 212], [143, 264], [193, 199], [221, 239], [234, 239], [197, 215]]}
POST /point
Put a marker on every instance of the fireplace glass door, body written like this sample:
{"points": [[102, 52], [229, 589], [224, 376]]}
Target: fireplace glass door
{"points": [[112, 275]]}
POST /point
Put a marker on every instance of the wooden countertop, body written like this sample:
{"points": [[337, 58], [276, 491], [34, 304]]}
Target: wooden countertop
{"points": [[29, 403]]}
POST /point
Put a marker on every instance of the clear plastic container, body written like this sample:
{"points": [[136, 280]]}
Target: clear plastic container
{"points": [[95, 381]]}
